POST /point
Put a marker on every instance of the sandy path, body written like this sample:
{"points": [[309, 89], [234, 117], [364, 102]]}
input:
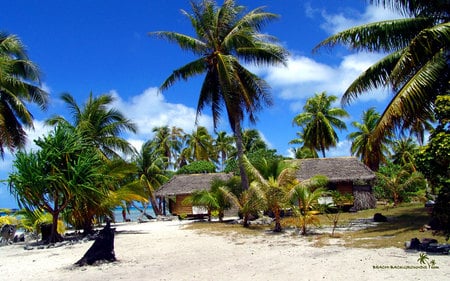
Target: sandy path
{"points": [[166, 251]]}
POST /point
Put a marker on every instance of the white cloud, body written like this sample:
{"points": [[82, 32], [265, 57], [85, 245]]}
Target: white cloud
{"points": [[335, 23], [342, 149], [150, 109]]}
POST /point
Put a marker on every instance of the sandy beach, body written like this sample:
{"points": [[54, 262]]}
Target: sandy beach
{"points": [[169, 251]]}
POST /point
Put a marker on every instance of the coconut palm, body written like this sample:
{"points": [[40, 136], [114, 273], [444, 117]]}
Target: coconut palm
{"points": [[224, 36], [99, 124], [169, 141], [19, 84], [275, 178], [223, 145], [416, 64], [318, 121], [306, 194], [152, 174], [200, 145], [370, 151], [404, 151]]}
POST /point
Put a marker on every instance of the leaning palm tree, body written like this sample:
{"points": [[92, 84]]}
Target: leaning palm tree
{"points": [[224, 36], [318, 122], [370, 151], [416, 64], [19, 84], [99, 124]]}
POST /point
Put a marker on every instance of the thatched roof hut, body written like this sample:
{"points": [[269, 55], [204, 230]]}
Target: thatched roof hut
{"points": [[345, 174], [187, 183], [181, 186], [341, 169]]}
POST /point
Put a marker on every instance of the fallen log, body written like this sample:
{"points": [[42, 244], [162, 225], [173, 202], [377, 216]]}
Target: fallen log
{"points": [[102, 249]]}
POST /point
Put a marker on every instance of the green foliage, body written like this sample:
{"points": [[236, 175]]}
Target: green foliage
{"points": [[433, 159], [441, 210], [398, 183], [254, 158], [198, 167]]}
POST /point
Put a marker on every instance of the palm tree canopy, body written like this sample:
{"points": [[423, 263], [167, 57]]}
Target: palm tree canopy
{"points": [[319, 120], [223, 36], [19, 83], [99, 123], [416, 64], [371, 152]]}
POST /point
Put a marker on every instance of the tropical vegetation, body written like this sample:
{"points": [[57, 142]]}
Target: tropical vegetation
{"points": [[224, 36], [19, 86]]}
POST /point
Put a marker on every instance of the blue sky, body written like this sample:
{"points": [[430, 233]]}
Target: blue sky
{"points": [[102, 47]]}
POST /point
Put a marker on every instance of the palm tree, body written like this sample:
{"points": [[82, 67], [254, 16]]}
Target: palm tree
{"points": [[370, 151], [399, 181], [151, 172], [305, 195], [19, 84], [223, 36], [252, 141], [100, 125], [169, 142], [275, 178], [318, 122], [416, 66], [404, 151], [223, 145], [200, 145]]}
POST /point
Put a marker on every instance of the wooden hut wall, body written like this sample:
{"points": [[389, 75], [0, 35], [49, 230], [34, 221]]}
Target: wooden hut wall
{"points": [[344, 187], [178, 208]]}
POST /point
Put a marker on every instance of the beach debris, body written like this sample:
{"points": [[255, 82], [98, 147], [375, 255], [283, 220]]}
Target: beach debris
{"points": [[378, 217], [428, 245], [102, 249], [8, 231]]}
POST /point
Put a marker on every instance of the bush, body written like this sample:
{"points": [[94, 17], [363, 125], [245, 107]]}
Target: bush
{"points": [[198, 167]]}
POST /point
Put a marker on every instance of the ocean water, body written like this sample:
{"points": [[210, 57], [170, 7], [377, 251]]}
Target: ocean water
{"points": [[132, 214]]}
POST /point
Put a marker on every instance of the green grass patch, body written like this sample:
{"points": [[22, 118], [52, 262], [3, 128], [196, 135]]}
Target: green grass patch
{"points": [[404, 223]]}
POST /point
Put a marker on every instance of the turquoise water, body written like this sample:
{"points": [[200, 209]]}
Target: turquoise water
{"points": [[133, 214]]}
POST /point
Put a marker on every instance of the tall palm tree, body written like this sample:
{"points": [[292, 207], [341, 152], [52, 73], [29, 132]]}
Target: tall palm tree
{"points": [[224, 35], [318, 122], [416, 64], [99, 124], [200, 144], [169, 141], [223, 145], [151, 171], [370, 151], [19, 84], [252, 141]]}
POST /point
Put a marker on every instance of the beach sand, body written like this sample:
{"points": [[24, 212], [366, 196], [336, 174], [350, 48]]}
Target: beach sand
{"points": [[169, 251]]}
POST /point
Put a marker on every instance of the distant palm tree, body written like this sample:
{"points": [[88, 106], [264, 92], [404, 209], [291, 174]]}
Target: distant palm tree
{"points": [[372, 152], [19, 84], [318, 122], [252, 141], [223, 145], [403, 151], [223, 36], [303, 152], [416, 66], [169, 141], [99, 124], [200, 144]]}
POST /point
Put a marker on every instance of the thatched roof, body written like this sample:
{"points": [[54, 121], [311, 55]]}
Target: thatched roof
{"points": [[186, 184], [342, 169]]}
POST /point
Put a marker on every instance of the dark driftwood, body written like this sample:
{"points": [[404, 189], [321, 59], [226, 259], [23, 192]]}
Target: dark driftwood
{"points": [[102, 249]]}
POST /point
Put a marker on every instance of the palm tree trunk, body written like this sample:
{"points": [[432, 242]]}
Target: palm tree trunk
{"points": [[277, 220], [240, 152]]}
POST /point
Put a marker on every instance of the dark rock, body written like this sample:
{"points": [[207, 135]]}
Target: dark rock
{"points": [[378, 217]]}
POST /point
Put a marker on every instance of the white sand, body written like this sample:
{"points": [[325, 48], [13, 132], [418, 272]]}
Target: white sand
{"points": [[167, 251]]}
